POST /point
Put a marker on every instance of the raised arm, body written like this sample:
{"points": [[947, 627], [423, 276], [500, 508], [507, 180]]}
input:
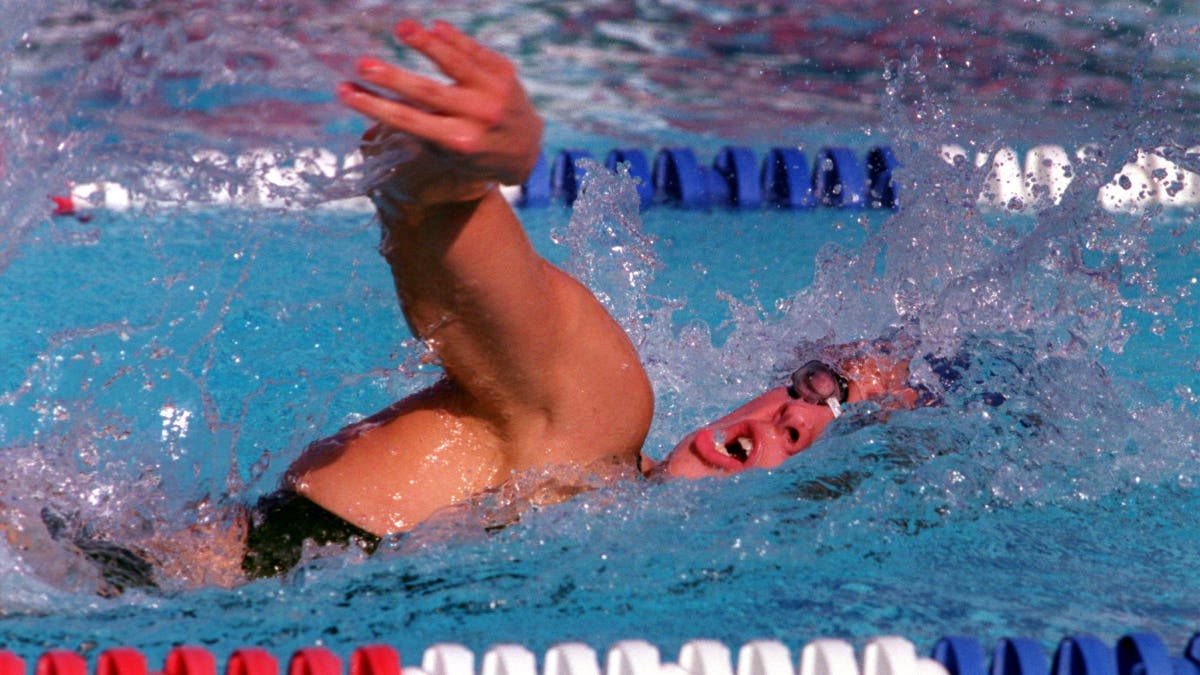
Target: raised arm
{"points": [[537, 372]]}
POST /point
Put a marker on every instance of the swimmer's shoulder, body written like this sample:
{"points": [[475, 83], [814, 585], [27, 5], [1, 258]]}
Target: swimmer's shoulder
{"points": [[392, 470]]}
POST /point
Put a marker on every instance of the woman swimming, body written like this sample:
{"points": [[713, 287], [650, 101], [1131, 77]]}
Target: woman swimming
{"points": [[537, 373]]}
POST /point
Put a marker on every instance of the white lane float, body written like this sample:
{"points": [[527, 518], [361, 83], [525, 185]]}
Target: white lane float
{"points": [[1040, 181]]}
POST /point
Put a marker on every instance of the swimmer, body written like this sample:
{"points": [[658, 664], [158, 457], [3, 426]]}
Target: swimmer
{"points": [[537, 374]]}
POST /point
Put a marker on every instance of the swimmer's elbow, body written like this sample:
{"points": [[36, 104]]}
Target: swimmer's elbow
{"points": [[635, 411], [643, 407]]}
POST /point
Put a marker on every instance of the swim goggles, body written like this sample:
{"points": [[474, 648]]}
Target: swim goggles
{"points": [[820, 384]]}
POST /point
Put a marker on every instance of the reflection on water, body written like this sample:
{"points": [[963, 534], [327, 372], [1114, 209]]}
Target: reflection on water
{"points": [[625, 69], [165, 364]]}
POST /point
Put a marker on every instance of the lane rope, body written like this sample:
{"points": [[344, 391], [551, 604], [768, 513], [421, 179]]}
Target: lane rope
{"points": [[737, 178], [1133, 654]]}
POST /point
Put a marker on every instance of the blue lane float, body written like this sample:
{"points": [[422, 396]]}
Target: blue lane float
{"points": [[786, 179], [1143, 654], [1192, 653], [839, 180], [566, 175], [679, 180], [881, 181], [737, 166], [735, 179], [1018, 656], [536, 190], [639, 169], [960, 655], [1084, 655]]}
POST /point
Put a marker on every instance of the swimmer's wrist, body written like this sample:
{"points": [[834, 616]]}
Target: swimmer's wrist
{"points": [[391, 201], [401, 218], [465, 194]]}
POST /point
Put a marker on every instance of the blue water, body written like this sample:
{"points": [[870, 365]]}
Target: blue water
{"points": [[164, 362]]}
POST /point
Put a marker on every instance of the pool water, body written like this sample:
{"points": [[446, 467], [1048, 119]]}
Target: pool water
{"points": [[164, 362]]}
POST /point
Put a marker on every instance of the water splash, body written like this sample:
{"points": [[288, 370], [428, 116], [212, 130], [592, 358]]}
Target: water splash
{"points": [[212, 374], [118, 421], [608, 248]]}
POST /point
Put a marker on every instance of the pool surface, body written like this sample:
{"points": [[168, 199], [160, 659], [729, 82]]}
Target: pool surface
{"points": [[164, 362]]}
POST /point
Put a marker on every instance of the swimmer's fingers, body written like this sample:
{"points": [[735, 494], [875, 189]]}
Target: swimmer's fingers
{"points": [[486, 61], [437, 129], [416, 90], [483, 119], [461, 58]]}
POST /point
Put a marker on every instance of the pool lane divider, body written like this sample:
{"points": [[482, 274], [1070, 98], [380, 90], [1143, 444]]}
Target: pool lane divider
{"points": [[785, 177], [734, 179], [1133, 654]]}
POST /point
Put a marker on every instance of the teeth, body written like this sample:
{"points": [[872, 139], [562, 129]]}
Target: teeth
{"points": [[743, 443]]}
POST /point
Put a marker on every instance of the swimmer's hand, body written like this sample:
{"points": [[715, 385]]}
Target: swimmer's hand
{"points": [[459, 138]]}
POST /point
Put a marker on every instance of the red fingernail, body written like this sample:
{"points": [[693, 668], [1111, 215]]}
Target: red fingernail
{"points": [[369, 66], [345, 90], [406, 28]]}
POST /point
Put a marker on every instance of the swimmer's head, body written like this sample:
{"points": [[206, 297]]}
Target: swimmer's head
{"points": [[785, 420]]}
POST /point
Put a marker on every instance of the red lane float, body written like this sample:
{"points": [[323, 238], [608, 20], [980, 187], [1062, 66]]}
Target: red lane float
{"points": [[11, 664], [190, 661], [121, 661], [315, 661], [252, 661], [375, 660], [61, 663]]}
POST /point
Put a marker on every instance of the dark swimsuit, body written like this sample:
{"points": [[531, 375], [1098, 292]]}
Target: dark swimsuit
{"points": [[280, 524]]}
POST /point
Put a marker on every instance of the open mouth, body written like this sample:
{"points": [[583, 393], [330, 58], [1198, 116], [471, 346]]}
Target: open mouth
{"points": [[739, 448], [725, 450]]}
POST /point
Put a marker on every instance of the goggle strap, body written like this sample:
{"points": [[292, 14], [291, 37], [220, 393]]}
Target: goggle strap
{"points": [[834, 406]]}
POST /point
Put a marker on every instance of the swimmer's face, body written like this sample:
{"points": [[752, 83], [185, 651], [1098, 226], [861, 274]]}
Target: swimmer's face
{"points": [[784, 421]]}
